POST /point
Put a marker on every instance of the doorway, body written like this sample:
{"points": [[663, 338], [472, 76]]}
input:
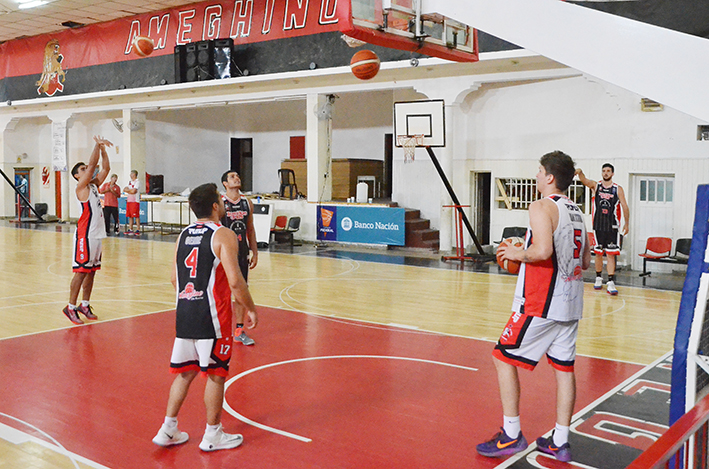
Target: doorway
{"points": [[22, 183], [387, 177], [241, 161], [652, 208], [480, 198]]}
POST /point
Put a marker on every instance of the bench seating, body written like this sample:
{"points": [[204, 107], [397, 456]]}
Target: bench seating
{"points": [[658, 249]]}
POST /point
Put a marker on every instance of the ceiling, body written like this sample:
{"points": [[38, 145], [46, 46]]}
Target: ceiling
{"points": [[48, 18]]}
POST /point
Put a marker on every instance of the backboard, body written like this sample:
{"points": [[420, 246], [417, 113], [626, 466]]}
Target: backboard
{"points": [[424, 118], [412, 25]]}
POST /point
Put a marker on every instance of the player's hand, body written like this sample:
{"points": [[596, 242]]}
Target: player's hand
{"points": [[512, 253], [102, 141], [254, 259], [626, 230], [251, 319], [578, 171]]}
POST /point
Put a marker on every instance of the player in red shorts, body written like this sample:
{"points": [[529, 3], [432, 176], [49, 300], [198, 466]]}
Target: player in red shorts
{"points": [[205, 274], [90, 230]]}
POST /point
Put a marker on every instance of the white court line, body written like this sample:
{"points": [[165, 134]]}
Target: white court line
{"points": [[17, 437], [248, 421], [587, 409]]}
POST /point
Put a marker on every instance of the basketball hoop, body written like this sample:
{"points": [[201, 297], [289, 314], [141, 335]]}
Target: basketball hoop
{"points": [[409, 142]]}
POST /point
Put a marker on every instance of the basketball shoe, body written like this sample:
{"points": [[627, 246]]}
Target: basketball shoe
{"points": [[502, 445], [72, 315], [240, 336], [170, 436], [546, 445], [87, 311], [599, 283], [612, 290], [220, 440]]}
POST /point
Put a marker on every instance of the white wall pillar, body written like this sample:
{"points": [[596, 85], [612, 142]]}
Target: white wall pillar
{"points": [[67, 191], [7, 194], [133, 147], [318, 142]]}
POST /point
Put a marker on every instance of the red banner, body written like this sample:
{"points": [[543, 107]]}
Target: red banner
{"points": [[246, 21]]}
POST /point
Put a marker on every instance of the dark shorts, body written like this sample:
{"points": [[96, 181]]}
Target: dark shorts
{"points": [[607, 242]]}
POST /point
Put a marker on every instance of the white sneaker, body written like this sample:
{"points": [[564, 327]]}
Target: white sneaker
{"points": [[170, 436], [611, 288], [244, 339], [599, 283], [220, 440]]}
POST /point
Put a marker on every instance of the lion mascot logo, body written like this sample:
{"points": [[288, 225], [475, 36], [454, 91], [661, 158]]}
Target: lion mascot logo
{"points": [[52, 73]]}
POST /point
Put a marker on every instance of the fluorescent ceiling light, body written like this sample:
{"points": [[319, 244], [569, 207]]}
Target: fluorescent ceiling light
{"points": [[24, 4]]}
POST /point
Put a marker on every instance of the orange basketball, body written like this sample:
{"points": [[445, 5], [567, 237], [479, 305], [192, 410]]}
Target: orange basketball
{"points": [[508, 265], [365, 64], [143, 46]]}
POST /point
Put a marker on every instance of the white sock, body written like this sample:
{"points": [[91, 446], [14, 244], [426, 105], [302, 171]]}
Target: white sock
{"points": [[561, 435], [71, 306], [171, 422], [511, 426], [85, 303], [212, 429]]}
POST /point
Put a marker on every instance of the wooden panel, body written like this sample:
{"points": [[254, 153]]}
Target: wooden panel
{"points": [[344, 174]]}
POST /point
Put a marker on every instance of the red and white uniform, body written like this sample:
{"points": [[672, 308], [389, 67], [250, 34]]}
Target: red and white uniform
{"points": [[90, 230], [204, 310], [548, 298]]}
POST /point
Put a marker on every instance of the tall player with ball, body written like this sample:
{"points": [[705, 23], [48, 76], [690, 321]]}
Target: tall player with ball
{"points": [[547, 307]]}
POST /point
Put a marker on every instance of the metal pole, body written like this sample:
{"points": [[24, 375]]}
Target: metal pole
{"points": [[22, 196], [455, 199]]}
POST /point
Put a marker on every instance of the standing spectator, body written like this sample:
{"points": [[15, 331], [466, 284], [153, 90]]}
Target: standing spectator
{"points": [[133, 203], [111, 192]]}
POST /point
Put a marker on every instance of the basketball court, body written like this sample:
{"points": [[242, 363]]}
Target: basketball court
{"points": [[356, 363]]}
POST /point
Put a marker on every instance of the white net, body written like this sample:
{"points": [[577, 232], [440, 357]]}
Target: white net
{"points": [[409, 142]]}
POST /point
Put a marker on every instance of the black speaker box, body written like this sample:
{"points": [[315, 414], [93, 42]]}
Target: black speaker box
{"points": [[194, 61], [224, 64], [156, 184], [41, 209]]}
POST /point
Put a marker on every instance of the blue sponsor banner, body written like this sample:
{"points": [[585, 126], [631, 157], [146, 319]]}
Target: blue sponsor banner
{"points": [[122, 220], [361, 224]]}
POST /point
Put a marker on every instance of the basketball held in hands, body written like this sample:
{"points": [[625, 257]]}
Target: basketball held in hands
{"points": [[506, 264]]}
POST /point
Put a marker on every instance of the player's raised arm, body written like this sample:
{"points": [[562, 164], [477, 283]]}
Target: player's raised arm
{"points": [[105, 163], [591, 184]]}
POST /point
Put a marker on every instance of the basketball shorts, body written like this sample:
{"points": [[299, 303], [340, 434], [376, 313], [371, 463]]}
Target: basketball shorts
{"points": [[87, 254], [210, 356], [608, 242], [133, 209], [525, 339]]}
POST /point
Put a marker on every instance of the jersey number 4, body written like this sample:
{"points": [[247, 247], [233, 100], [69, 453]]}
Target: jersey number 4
{"points": [[191, 262]]}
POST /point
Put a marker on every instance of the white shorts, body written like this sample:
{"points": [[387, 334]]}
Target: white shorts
{"points": [[525, 339], [86, 254], [210, 356]]}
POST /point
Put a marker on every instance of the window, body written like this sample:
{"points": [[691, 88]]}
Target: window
{"points": [[519, 193], [657, 189]]}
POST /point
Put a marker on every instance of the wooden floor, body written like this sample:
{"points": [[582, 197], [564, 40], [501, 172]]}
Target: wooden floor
{"points": [[635, 327]]}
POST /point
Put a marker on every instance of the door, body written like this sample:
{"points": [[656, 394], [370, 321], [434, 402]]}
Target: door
{"points": [[22, 183], [480, 205], [388, 166], [242, 161], [651, 208]]}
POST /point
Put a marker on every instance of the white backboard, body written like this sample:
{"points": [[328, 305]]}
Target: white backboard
{"points": [[425, 118]]}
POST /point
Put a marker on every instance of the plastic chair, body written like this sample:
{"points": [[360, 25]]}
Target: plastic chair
{"points": [[655, 248], [513, 231], [292, 228], [280, 225], [287, 177]]}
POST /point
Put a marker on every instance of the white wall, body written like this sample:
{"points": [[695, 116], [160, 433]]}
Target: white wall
{"points": [[510, 126]]}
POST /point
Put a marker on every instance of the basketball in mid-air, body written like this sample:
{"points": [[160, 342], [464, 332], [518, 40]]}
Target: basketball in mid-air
{"points": [[508, 265], [143, 46], [365, 64]]}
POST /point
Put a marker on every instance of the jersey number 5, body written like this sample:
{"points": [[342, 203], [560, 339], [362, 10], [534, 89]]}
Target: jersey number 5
{"points": [[191, 262], [578, 242]]}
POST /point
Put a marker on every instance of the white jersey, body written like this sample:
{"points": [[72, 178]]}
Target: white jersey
{"points": [[134, 184], [553, 288], [91, 222]]}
